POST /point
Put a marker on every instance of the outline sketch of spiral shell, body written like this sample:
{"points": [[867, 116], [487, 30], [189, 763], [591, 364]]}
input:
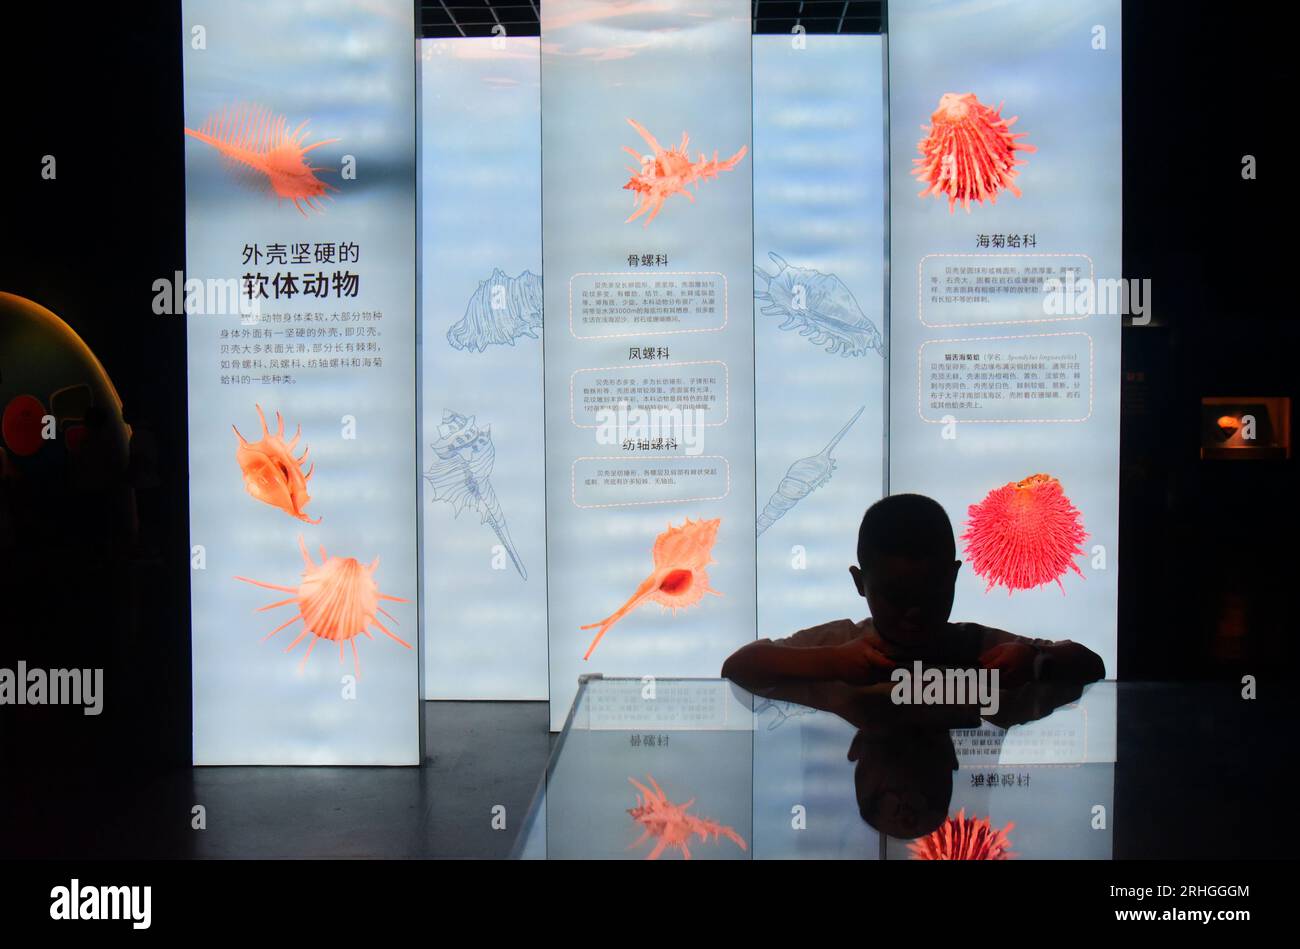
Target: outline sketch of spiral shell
{"points": [[483, 325], [460, 475], [801, 479], [829, 313]]}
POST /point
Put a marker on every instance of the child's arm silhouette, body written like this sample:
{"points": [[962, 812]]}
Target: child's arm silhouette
{"points": [[765, 663], [1021, 660]]}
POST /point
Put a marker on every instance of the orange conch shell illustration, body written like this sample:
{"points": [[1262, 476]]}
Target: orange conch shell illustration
{"points": [[259, 140], [337, 600], [668, 171], [271, 473], [670, 823], [679, 579]]}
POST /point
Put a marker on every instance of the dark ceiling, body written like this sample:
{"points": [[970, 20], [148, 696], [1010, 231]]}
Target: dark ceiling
{"points": [[440, 18]]}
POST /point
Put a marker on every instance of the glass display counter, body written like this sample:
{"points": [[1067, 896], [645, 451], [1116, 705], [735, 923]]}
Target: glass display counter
{"points": [[702, 769]]}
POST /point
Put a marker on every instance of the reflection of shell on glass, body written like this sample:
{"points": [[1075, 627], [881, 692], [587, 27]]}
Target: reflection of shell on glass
{"points": [[271, 472], [969, 152], [1024, 535], [501, 310], [679, 580], [459, 475], [819, 306], [670, 824], [337, 600], [964, 838], [803, 478]]}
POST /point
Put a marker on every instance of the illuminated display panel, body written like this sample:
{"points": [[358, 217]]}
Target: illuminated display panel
{"points": [[1004, 402], [819, 331], [318, 223], [817, 167], [649, 340], [483, 505]]}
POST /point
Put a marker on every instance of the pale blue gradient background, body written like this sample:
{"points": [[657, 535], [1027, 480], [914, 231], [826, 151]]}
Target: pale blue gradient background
{"points": [[480, 178], [351, 70], [679, 66], [819, 202], [1037, 56]]}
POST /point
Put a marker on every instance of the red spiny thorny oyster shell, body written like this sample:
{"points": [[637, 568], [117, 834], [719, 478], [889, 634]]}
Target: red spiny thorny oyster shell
{"points": [[1024, 535], [964, 838], [969, 152]]}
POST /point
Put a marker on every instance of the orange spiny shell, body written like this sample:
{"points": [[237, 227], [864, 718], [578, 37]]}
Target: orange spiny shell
{"points": [[338, 600], [679, 580], [260, 140], [689, 547], [668, 171], [271, 473], [670, 823]]}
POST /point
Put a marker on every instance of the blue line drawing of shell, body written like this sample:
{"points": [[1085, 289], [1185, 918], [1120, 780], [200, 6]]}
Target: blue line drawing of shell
{"points": [[502, 309], [784, 711], [820, 306], [801, 479], [460, 472]]}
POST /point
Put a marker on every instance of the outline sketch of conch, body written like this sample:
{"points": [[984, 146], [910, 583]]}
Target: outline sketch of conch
{"points": [[518, 312], [801, 479], [784, 711], [460, 474], [820, 306]]}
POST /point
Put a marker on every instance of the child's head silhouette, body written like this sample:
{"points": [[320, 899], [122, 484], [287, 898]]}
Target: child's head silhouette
{"points": [[903, 779], [907, 568]]}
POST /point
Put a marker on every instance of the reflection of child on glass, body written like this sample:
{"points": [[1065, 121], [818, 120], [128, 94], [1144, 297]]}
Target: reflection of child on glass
{"points": [[907, 570]]}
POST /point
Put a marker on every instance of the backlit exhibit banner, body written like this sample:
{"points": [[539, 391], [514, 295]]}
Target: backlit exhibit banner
{"points": [[1005, 299], [819, 331], [483, 508], [300, 230], [647, 259]]}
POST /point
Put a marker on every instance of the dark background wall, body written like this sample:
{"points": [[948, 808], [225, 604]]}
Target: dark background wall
{"points": [[1207, 553], [1207, 549], [99, 88]]}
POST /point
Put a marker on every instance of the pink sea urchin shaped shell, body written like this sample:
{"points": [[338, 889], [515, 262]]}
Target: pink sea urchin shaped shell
{"points": [[1024, 535], [969, 152]]}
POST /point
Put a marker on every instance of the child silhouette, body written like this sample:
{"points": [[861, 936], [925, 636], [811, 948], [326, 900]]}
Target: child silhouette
{"points": [[907, 571]]}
